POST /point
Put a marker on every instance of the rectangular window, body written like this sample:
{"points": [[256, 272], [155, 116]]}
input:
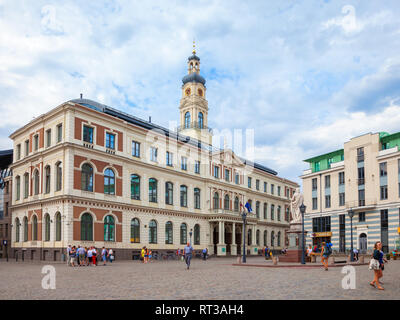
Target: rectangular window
{"points": [[184, 163], [48, 138], [169, 159], [110, 140], [360, 154], [36, 142], [361, 176], [216, 172], [361, 198], [327, 201], [88, 134], [26, 147], [197, 166], [327, 181], [257, 184], [272, 212], [342, 233], [314, 184], [341, 178], [59, 133], [322, 224], [227, 178], [383, 169], [153, 154], [384, 192], [316, 166], [385, 230], [135, 149], [18, 151], [279, 191], [265, 187], [342, 199], [361, 217], [272, 189], [249, 182], [314, 203], [237, 178]]}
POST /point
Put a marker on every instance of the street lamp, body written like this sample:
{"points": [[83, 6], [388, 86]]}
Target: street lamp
{"points": [[302, 210], [351, 215], [244, 215], [190, 234]]}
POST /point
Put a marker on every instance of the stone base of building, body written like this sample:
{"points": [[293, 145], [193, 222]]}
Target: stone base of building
{"points": [[294, 251], [291, 256]]}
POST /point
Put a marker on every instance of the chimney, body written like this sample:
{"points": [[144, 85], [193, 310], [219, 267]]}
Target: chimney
{"points": [[81, 96], [150, 119]]}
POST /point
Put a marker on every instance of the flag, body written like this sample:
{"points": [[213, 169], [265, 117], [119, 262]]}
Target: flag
{"points": [[248, 207]]}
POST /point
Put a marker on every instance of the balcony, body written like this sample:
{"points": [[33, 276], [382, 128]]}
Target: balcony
{"points": [[388, 151], [194, 125], [361, 204], [308, 171], [337, 164]]}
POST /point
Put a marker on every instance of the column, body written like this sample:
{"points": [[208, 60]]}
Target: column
{"points": [[221, 247], [233, 245]]}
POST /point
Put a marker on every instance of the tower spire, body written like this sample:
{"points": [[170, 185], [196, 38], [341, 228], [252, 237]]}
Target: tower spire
{"points": [[194, 47]]}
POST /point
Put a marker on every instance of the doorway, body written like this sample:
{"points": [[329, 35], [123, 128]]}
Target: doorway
{"points": [[363, 244]]}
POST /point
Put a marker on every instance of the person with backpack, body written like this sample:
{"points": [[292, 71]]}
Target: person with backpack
{"points": [[204, 253], [326, 251], [104, 254]]}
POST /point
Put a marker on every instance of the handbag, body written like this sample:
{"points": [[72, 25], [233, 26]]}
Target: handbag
{"points": [[373, 264]]}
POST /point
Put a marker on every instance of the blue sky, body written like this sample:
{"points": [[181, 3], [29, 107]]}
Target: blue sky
{"points": [[305, 75]]}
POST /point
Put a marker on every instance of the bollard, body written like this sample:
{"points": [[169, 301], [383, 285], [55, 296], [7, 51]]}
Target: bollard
{"points": [[361, 259]]}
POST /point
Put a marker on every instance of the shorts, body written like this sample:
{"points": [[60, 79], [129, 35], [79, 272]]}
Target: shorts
{"points": [[104, 258], [82, 257]]}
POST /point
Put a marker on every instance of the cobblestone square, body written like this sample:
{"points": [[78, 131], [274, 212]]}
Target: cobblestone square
{"points": [[216, 278]]}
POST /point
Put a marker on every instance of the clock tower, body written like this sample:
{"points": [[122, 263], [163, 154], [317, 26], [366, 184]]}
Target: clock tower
{"points": [[194, 106]]}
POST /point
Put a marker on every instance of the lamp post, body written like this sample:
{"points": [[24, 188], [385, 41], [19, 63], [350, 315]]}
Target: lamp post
{"points": [[351, 215], [244, 235], [190, 234], [302, 210]]}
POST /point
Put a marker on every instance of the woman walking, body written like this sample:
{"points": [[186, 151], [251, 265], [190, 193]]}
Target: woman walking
{"points": [[378, 256]]}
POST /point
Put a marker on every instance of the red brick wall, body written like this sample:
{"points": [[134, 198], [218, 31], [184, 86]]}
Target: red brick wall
{"points": [[78, 128]]}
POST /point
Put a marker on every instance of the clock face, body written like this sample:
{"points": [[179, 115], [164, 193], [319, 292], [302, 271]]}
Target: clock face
{"points": [[187, 91]]}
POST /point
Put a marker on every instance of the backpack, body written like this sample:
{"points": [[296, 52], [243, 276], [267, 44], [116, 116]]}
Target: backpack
{"points": [[328, 250]]}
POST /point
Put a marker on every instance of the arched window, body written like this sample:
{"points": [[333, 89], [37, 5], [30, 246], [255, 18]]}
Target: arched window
{"points": [[58, 226], [279, 213], [26, 185], [87, 177], [47, 227], [183, 196], [152, 190], [36, 180], [109, 228], [265, 210], [258, 237], [287, 214], [153, 231], [258, 209], [187, 120], [236, 204], [47, 179], [197, 234], [279, 239], [265, 238], [183, 233], [34, 228], [272, 212], [58, 176], [18, 187], [272, 238], [17, 225], [168, 233], [226, 202], [109, 181], [249, 237], [216, 200], [196, 198], [87, 227], [135, 230], [135, 187], [201, 120], [25, 229], [169, 193]]}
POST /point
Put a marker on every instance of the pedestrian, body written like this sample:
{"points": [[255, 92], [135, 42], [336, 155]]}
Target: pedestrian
{"points": [[326, 251], [204, 253], [111, 255], [188, 254], [73, 256], [142, 254], [150, 255], [68, 256], [94, 256], [104, 254], [377, 266], [86, 257], [146, 255], [355, 254], [90, 256]]}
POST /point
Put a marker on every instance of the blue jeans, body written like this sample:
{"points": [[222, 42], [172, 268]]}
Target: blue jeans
{"points": [[188, 257]]}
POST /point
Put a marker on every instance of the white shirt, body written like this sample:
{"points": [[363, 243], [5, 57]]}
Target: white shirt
{"points": [[90, 253], [110, 252]]}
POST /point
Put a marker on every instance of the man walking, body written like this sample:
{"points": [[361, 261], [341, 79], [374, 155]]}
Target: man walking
{"points": [[204, 253], [326, 251], [68, 255], [188, 254]]}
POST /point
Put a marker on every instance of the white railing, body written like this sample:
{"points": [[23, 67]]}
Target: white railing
{"points": [[388, 151]]}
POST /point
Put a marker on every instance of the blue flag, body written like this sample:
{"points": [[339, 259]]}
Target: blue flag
{"points": [[248, 207]]}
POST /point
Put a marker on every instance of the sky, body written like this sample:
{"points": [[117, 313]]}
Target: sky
{"points": [[306, 76]]}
